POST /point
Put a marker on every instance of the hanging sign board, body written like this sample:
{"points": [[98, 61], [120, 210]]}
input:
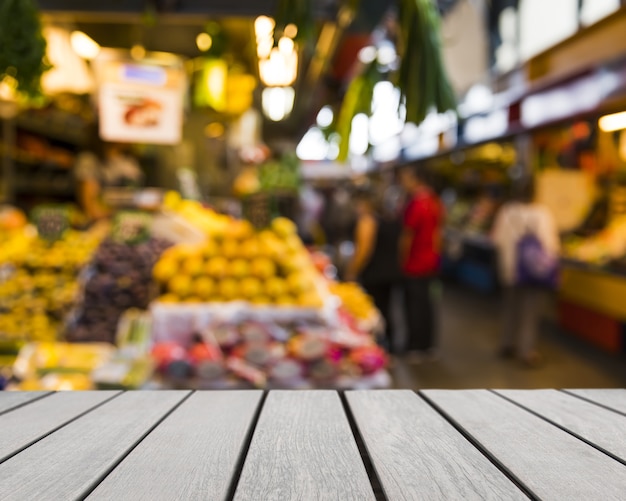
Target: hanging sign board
{"points": [[140, 102]]}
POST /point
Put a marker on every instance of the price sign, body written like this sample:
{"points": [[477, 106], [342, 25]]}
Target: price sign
{"points": [[132, 227], [257, 210], [51, 221]]}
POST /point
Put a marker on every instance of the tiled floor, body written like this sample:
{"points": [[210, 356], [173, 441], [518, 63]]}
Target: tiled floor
{"points": [[468, 345]]}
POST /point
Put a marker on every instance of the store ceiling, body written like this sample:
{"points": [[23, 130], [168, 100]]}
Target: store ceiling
{"points": [[172, 26]]}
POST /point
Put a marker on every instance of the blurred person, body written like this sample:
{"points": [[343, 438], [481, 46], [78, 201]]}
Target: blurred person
{"points": [[375, 264], [106, 165], [527, 241], [420, 257]]}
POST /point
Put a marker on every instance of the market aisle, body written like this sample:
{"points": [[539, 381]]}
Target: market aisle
{"points": [[469, 335]]}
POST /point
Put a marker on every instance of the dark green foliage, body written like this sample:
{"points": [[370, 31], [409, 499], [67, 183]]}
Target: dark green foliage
{"points": [[422, 78], [22, 45]]}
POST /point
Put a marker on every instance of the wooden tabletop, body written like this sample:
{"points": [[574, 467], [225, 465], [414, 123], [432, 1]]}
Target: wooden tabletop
{"points": [[310, 445]]}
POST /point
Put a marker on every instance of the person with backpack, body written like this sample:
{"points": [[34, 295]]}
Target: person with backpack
{"points": [[527, 243]]}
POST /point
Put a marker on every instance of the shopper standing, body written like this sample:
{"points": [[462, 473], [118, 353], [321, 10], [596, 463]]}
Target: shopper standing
{"points": [[375, 264], [527, 241], [107, 165], [420, 243]]}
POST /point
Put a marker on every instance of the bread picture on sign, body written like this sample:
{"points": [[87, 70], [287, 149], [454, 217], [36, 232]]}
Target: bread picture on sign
{"points": [[144, 113]]}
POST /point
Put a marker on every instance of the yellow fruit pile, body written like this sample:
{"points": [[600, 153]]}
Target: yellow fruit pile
{"points": [[354, 299], [206, 220], [41, 286], [269, 267], [14, 246]]}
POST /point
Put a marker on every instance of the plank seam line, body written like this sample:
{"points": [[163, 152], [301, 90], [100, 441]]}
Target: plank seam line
{"points": [[562, 428], [372, 474], [107, 472], [54, 430], [481, 448], [580, 397], [243, 454], [23, 404]]}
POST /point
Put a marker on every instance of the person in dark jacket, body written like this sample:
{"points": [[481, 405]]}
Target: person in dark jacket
{"points": [[375, 263]]}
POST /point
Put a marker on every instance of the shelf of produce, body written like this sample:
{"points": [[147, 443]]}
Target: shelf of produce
{"points": [[70, 133]]}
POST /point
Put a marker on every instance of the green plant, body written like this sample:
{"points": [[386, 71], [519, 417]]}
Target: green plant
{"points": [[22, 46], [422, 78], [358, 99], [280, 175]]}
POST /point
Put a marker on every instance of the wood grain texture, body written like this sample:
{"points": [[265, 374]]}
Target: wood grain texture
{"points": [[550, 462], [417, 454], [69, 463], [12, 399], [27, 424], [191, 455], [603, 428], [612, 398], [303, 448]]}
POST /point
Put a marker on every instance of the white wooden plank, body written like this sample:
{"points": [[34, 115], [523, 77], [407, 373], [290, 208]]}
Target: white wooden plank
{"points": [[70, 462], [603, 428], [550, 462], [12, 399], [25, 425], [417, 454], [612, 398], [191, 455], [303, 448]]}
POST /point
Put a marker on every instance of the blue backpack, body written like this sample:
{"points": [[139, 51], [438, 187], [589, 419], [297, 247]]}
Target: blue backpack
{"points": [[535, 266]]}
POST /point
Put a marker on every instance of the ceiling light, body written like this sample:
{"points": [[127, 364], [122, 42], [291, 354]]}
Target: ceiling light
{"points": [[387, 54], [279, 70], [264, 26], [359, 137], [367, 54], [138, 52], [286, 45], [291, 31], [214, 130], [204, 41], [611, 123], [264, 48], [325, 117], [85, 46], [278, 102]]}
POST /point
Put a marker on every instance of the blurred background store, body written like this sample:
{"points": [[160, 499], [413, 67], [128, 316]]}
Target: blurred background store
{"points": [[179, 182]]}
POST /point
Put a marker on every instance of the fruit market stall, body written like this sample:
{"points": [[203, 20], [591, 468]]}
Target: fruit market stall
{"points": [[42, 271], [249, 307], [593, 287], [198, 299]]}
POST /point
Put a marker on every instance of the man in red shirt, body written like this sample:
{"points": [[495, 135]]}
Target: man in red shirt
{"points": [[420, 259]]}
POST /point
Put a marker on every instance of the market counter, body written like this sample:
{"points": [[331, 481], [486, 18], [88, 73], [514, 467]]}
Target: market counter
{"points": [[592, 305], [320, 444]]}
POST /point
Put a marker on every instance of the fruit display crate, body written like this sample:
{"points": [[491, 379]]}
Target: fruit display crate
{"points": [[240, 345]]}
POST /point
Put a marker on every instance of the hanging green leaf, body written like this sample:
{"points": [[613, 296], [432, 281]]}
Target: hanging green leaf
{"points": [[22, 45], [358, 99], [422, 77]]}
